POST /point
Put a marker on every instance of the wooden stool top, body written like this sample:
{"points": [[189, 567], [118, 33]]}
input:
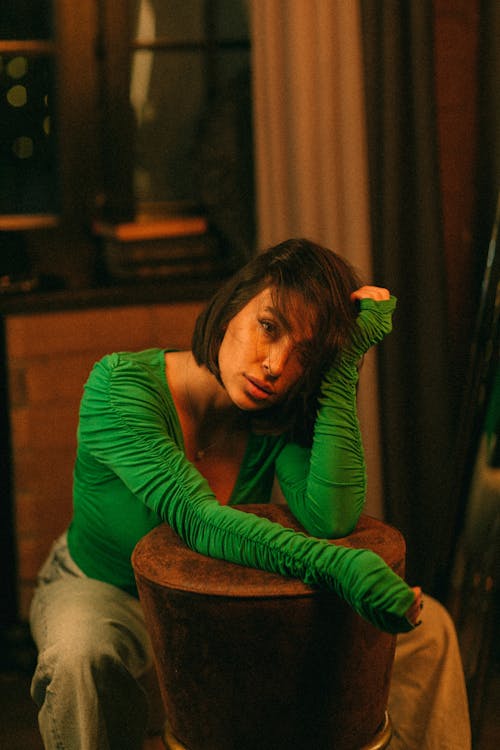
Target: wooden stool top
{"points": [[163, 559]]}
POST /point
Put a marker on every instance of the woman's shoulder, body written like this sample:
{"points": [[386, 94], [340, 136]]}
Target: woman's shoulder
{"points": [[128, 383], [127, 368], [146, 359]]}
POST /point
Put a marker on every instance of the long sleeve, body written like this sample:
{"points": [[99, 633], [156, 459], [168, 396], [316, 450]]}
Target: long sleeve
{"points": [[325, 486], [123, 431]]}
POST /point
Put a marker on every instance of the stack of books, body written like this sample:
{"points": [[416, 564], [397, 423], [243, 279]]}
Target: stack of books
{"points": [[158, 247]]}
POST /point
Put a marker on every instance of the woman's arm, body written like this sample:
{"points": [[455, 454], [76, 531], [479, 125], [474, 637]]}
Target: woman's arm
{"points": [[122, 426], [325, 486]]}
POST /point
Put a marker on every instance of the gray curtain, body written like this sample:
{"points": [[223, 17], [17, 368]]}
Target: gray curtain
{"points": [[408, 254]]}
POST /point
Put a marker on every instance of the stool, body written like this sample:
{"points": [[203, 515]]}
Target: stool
{"points": [[251, 660]]}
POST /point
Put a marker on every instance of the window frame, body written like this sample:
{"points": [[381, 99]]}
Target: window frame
{"points": [[92, 46]]}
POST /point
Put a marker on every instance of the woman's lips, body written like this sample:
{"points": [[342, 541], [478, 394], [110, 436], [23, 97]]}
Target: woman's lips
{"points": [[258, 389]]}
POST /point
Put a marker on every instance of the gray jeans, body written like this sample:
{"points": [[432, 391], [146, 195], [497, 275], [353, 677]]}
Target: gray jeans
{"points": [[428, 701], [94, 682]]}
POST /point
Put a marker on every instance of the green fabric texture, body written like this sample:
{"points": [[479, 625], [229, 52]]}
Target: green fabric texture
{"points": [[325, 487], [131, 473]]}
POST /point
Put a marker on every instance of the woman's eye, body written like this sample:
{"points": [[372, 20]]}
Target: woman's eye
{"points": [[269, 327]]}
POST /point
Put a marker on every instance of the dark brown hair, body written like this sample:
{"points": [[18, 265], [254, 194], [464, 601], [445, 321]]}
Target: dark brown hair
{"points": [[324, 282]]}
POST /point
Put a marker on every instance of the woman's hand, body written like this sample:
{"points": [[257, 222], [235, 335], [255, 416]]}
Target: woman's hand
{"points": [[373, 323], [371, 292], [414, 612]]}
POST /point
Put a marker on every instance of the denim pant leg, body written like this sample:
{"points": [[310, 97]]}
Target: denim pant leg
{"points": [[93, 649], [428, 700]]}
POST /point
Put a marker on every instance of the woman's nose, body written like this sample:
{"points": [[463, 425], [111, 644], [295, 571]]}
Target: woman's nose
{"points": [[275, 360]]}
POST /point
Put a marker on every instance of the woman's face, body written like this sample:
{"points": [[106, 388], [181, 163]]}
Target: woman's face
{"points": [[259, 357]]}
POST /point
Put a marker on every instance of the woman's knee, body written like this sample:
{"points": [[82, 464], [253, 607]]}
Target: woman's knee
{"points": [[85, 661], [89, 621], [434, 642], [439, 627], [91, 638]]}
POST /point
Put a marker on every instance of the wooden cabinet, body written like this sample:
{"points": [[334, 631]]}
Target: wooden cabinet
{"points": [[48, 358]]}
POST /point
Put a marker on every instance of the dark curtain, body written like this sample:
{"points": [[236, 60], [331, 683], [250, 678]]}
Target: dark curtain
{"points": [[409, 258]]}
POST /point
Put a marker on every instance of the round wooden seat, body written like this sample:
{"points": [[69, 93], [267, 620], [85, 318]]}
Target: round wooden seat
{"points": [[251, 660]]}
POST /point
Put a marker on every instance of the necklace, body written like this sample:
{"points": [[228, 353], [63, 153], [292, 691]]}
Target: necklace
{"points": [[232, 427], [199, 454]]}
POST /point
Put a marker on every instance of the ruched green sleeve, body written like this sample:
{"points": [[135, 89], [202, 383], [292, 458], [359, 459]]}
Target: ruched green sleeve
{"points": [[325, 486], [122, 429]]}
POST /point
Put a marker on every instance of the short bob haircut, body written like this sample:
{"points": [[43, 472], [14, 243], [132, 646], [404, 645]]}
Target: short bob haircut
{"points": [[296, 269]]}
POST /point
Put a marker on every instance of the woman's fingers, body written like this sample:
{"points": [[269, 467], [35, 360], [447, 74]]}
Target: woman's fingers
{"points": [[414, 612], [377, 293]]}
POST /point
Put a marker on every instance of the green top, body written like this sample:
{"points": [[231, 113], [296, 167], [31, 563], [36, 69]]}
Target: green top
{"points": [[131, 474]]}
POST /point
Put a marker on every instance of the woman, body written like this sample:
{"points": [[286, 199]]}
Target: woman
{"points": [[269, 389]]}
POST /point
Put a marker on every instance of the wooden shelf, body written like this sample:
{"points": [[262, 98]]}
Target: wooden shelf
{"points": [[179, 289], [27, 222], [152, 229]]}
